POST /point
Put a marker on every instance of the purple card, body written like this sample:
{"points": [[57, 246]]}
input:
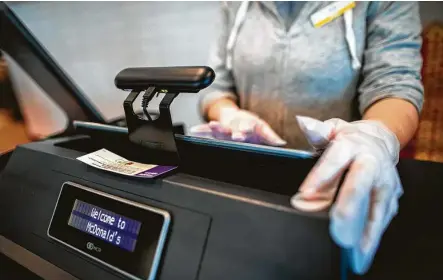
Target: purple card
{"points": [[106, 160]]}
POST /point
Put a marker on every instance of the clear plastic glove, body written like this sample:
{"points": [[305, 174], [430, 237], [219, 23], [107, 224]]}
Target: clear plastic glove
{"points": [[239, 125], [368, 198]]}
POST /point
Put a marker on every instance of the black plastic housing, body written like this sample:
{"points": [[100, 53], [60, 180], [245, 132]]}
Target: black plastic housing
{"points": [[177, 79]]}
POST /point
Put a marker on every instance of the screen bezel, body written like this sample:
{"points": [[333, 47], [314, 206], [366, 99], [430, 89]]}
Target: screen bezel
{"points": [[90, 127], [69, 236]]}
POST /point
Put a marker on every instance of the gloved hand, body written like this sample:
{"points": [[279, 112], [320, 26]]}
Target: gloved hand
{"points": [[239, 125], [368, 198]]}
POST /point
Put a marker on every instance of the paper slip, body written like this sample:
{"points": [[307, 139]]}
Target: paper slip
{"points": [[106, 160]]}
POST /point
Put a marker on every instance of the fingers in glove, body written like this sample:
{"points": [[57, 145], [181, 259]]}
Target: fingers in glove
{"points": [[243, 128], [219, 131], [392, 211], [217, 126], [337, 124], [318, 201], [383, 208], [358, 183], [331, 165], [375, 226], [318, 133], [396, 194], [349, 214], [268, 135], [202, 130]]}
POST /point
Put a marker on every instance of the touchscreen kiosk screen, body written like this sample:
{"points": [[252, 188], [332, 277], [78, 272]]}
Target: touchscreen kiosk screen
{"points": [[111, 227]]}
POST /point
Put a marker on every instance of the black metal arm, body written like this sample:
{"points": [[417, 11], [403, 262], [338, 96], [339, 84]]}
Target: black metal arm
{"points": [[158, 134]]}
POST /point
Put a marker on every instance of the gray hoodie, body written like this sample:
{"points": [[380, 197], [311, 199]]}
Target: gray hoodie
{"points": [[337, 70]]}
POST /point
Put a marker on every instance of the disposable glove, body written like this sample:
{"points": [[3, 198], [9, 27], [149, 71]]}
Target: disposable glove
{"points": [[367, 200], [239, 125]]}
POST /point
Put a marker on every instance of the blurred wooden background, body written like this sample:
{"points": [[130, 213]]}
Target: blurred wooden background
{"points": [[12, 132]]}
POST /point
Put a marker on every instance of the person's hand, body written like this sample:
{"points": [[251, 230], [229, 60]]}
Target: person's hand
{"points": [[239, 125], [368, 198]]}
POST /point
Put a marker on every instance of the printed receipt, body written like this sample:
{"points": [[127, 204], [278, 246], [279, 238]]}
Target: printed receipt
{"points": [[106, 160]]}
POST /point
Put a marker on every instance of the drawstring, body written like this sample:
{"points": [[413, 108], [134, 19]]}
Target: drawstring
{"points": [[241, 15], [350, 39], [239, 18]]}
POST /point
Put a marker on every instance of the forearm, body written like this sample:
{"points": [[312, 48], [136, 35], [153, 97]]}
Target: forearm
{"points": [[400, 116]]}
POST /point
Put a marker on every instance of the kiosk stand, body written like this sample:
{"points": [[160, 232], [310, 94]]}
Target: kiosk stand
{"points": [[224, 215], [159, 134]]}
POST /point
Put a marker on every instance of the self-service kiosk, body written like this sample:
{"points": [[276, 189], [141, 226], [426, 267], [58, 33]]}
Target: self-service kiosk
{"points": [[180, 226]]}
